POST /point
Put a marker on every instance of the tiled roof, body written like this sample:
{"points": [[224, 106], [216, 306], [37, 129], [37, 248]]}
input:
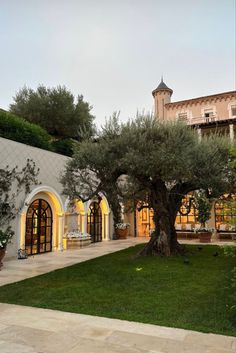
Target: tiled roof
{"points": [[201, 99], [162, 87]]}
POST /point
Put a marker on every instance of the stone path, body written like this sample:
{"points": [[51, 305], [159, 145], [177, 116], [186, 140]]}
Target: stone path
{"points": [[33, 330]]}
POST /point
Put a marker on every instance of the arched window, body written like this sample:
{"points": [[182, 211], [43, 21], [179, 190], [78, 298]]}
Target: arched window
{"points": [[225, 212], [38, 236], [186, 218], [95, 221]]}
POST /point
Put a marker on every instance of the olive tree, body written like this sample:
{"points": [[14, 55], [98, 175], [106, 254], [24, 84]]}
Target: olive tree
{"points": [[161, 161]]}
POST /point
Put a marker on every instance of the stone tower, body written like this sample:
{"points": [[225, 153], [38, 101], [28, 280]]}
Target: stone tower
{"points": [[162, 95]]}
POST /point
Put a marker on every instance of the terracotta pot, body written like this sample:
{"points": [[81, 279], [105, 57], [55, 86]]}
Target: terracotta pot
{"points": [[121, 233], [2, 254], [205, 237]]}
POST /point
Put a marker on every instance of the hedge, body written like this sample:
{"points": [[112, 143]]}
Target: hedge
{"points": [[64, 146], [20, 130]]}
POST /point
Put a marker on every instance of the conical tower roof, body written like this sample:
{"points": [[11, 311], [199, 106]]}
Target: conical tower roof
{"points": [[162, 87]]}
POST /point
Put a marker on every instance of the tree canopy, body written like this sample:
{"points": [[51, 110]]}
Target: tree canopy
{"points": [[161, 162], [54, 109]]}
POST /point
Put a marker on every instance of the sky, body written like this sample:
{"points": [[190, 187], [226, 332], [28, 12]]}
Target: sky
{"points": [[114, 52]]}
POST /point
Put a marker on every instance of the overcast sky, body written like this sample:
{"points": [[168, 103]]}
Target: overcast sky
{"points": [[114, 52]]}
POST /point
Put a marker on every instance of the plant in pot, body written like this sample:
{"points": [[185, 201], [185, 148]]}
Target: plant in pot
{"points": [[121, 230], [203, 205]]}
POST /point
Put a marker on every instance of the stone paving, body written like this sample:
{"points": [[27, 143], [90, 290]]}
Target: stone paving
{"points": [[34, 330]]}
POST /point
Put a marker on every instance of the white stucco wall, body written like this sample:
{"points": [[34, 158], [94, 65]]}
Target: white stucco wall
{"points": [[51, 166]]}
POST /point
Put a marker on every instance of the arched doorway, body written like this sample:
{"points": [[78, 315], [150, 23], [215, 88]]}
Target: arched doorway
{"points": [[94, 225], [38, 234]]}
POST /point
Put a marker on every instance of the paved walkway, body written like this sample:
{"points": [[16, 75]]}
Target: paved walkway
{"points": [[33, 330]]}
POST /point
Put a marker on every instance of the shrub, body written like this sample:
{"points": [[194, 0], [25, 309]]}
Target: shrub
{"points": [[18, 129], [204, 208], [64, 146]]}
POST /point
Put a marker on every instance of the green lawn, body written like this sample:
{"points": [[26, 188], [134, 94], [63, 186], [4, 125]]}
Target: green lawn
{"points": [[163, 291]]}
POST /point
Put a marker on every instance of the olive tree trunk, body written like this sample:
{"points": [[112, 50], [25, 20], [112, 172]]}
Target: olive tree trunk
{"points": [[163, 241]]}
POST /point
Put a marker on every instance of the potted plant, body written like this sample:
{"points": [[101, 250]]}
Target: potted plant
{"points": [[121, 230], [203, 205], [5, 238]]}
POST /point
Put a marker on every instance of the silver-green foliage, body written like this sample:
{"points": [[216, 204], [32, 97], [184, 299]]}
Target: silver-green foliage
{"points": [[12, 183], [163, 161]]}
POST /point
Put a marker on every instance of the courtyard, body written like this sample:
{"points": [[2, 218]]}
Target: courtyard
{"points": [[88, 281], [189, 292], [117, 177]]}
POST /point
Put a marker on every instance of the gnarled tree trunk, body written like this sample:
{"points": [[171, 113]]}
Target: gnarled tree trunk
{"points": [[164, 240]]}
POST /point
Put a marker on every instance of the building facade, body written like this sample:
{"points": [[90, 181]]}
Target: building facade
{"points": [[45, 216], [213, 113], [216, 112]]}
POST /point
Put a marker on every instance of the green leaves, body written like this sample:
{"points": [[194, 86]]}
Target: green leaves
{"points": [[54, 109], [154, 156], [12, 183], [18, 129], [203, 205]]}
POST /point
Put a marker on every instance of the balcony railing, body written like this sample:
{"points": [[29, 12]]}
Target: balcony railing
{"points": [[203, 120]]}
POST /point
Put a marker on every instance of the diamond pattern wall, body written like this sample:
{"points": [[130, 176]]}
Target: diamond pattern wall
{"points": [[51, 164]]}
